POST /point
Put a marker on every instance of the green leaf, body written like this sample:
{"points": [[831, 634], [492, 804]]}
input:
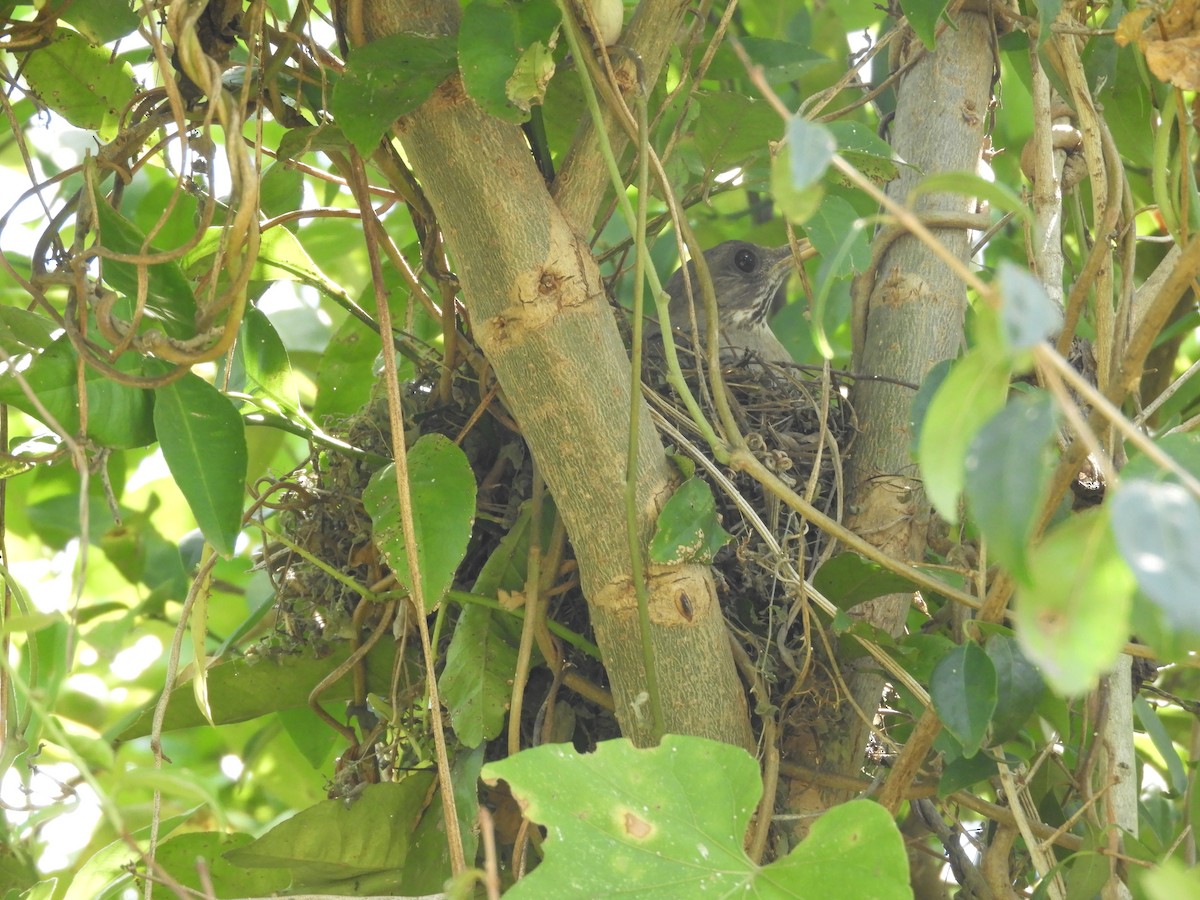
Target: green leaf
{"points": [[22, 330], [1073, 617], [343, 839], [812, 148], [849, 579], [203, 442], [1153, 726], [973, 391], [669, 822], [179, 854], [170, 302], [1006, 476], [100, 21], [476, 682], [386, 79], [963, 772], [106, 873], [493, 39], [688, 528], [799, 205], [345, 376], [85, 84], [930, 385], [268, 369], [442, 488], [779, 60], [1156, 526], [1028, 315], [969, 184], [733, 129], [242, 689], [963, 690], [118, 416], [865, 150], [1019, 687], [837, 232], [923, 16]]}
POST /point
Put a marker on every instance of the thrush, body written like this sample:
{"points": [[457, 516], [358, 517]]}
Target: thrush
{"points": [[746, 279]]}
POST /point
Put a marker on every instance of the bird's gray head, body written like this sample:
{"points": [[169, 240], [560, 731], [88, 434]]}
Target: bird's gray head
{"points": [[746, 278]]}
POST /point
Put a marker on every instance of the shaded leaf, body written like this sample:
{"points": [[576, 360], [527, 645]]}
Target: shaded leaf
{"points": [[1019, 687], [669, 822], [493, 39], [247, 688], [170, 302], [178, 856], [476, 681], [970, 184], [336, 839], [923, 16], [688, 528], [386, 79], [203, 442], [865, 150], [963, 690], [442, 489], [849, 579], [1006, 476], [732, 129]]}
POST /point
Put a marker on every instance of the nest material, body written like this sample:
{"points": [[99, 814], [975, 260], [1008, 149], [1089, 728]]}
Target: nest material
{"points": [[798, 422]]}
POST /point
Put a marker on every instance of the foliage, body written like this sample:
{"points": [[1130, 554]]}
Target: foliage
{"points": [[214, 476]]}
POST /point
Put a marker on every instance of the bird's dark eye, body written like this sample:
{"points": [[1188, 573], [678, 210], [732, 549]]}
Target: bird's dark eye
{"points": [[746, 260]]}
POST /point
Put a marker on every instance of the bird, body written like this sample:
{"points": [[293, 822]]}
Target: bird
{"points": [[746, 278]]}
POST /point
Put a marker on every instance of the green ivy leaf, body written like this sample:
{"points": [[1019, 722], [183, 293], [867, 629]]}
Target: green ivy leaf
{"points": [[688, 529], [203, 442], [973, 391], [442, 488], [1073, 617], [386, 79], [1006, 478], [963, 690], [669, 822]]}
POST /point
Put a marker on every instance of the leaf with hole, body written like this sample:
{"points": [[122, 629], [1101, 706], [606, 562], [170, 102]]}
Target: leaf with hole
{"points": [[670, 821], [688, 529]]}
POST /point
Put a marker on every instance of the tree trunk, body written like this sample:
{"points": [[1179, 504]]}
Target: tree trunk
{"points": [[913, 320], [538, 311]]}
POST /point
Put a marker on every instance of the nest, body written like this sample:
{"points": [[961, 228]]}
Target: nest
{"points": [[798, 422]]}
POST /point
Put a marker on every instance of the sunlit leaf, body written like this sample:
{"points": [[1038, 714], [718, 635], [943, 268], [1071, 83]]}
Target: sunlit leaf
{"points": [[1156, 525], [1073, 617], [670, 821], [203, 442], [688, 528], [849, 579], [476, 682], [973, 391], [811, 148], [84, 83]]}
